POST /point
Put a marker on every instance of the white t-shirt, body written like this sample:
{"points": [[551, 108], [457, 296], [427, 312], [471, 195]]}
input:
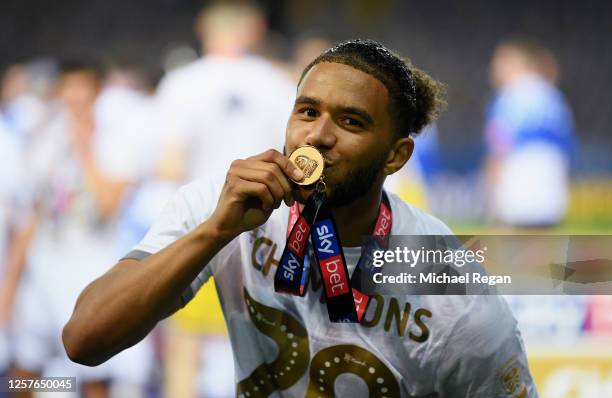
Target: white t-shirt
{"points": [[218, 109], [434, 346]]}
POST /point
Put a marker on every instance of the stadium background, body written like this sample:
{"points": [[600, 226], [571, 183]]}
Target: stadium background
{"points": [[454, 42]]}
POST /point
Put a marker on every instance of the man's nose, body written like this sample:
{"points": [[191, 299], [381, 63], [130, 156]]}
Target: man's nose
{"points": [[321, 132]]}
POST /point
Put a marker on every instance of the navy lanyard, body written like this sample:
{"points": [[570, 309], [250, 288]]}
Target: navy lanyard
{"points": [[344, 298]]}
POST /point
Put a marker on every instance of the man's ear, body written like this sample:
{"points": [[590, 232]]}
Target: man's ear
{"points": [[399, 154]]}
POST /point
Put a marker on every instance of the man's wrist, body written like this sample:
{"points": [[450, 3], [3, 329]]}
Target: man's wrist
{"points": [[209, 231]]}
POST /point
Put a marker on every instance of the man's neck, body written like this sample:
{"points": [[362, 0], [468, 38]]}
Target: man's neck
{"points": [[356, 220]]}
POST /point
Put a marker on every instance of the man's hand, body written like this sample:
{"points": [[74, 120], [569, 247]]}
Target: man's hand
{"points": [[253, 189]]}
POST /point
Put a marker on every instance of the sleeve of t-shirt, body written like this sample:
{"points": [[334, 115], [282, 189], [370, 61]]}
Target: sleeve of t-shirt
{"points": [[189, 207], [484, 355]]}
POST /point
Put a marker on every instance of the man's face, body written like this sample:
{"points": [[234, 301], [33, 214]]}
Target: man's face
{"points": [[343, 112], [507, 64]]}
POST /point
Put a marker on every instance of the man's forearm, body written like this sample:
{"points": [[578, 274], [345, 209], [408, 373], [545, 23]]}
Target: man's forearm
{"points": [[121, 307]]}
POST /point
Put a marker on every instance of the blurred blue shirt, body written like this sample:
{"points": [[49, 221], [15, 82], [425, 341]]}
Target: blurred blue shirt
{"points": [[529, 110]]}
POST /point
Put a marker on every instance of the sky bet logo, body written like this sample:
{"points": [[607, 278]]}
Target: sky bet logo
{"points": [[299, 236], [330, 259], [290, 267], [326, 247], [297, 244]]}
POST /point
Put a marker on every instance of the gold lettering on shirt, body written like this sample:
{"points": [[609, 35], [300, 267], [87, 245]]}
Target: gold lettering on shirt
{"points": [[420, 313], [376, 311], [264, 247], [393, 312]]}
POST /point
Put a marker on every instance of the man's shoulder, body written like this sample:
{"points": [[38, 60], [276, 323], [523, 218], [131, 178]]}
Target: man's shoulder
{"points": [[210, 66], [264, 75], [186, 76], [210, 76], [410, 220]]}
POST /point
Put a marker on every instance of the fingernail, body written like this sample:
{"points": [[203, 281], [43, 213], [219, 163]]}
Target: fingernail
{"points": [[298, 174]]}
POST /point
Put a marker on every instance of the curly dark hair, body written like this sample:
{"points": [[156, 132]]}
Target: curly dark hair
{"points": [[416, 99]]}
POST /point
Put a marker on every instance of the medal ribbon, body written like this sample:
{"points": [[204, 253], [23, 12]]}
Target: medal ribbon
{"points": [[344, 298], [291, 275]]}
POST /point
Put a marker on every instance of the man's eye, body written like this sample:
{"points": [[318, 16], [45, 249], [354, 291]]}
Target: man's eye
{"points": [[308, 112], [349, 121]]}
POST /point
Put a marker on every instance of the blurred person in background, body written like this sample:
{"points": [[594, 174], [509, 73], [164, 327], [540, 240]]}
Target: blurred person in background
{"points": [[25, 90], [76, 184], [25, 95], [125, 110], [226, 105], [227, 90], [529, 138]]}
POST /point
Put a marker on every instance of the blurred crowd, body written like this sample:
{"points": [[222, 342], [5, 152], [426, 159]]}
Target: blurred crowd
{"points": [[91, 152]]}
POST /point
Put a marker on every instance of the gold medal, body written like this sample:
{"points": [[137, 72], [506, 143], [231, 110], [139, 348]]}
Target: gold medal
{"points": [[310, 161]]}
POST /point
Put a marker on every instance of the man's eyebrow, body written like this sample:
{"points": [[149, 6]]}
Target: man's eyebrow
{"points": [[302, 99]]}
